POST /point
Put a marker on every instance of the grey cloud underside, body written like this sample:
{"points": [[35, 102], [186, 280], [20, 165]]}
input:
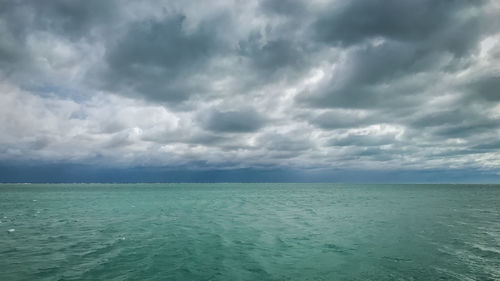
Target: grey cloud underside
{"points": [[487, 87], [259, 83], [160, 61], [360, 140], [414, 37], [349, 23], [241, 121]]}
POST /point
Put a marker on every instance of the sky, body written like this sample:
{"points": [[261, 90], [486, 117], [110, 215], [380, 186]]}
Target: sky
{"points": [[278, 90]]}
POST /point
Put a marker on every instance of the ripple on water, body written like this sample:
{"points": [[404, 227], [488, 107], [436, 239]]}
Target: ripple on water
{"points": [[250, 232]]}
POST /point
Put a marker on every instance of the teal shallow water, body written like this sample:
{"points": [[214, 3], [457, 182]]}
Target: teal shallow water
{"points": [[249, 232]]}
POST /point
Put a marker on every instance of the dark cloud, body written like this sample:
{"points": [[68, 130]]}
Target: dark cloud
{"points": [[365, 78], [272, 55], [294, 142], [390, 40], [270, 83], [458, 123], [375, 154], [352, 22], [341, 119], [245, 120], [364, 140], [283, 7], [66, 18], [70, 17], [467, 129], [495, 145], [275, 55], [160, 60], [487, 88], [30, 30], [440, 118]]}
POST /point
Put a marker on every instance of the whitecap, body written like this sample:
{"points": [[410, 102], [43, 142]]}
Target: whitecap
{"points": [[11, 230]]}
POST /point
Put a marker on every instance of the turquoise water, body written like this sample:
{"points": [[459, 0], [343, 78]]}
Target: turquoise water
{"points": [[249, 232]]}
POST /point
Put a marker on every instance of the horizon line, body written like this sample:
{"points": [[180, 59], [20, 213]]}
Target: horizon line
{"points": [[243, 182]]}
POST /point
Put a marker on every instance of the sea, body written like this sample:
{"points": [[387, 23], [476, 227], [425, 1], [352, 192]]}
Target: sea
{"points": [[241, 231]]}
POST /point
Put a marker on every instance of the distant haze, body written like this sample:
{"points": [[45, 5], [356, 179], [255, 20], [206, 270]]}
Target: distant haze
{"points": [[279, 90]]}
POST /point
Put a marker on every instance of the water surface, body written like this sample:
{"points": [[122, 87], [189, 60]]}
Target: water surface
{"points": [[249, 232]]}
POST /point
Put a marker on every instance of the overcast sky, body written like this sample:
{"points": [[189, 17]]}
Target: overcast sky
{"points": [[360, 85]]}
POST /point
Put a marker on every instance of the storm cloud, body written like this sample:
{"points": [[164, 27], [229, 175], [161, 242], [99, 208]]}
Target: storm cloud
{"points": [[299, 85]]}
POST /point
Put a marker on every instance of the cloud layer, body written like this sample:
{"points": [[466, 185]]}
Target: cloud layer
{"points": [[251, 84]]}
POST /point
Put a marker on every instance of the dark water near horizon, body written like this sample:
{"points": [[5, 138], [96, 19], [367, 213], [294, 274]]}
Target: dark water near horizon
{"points": [[249, 232]]}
